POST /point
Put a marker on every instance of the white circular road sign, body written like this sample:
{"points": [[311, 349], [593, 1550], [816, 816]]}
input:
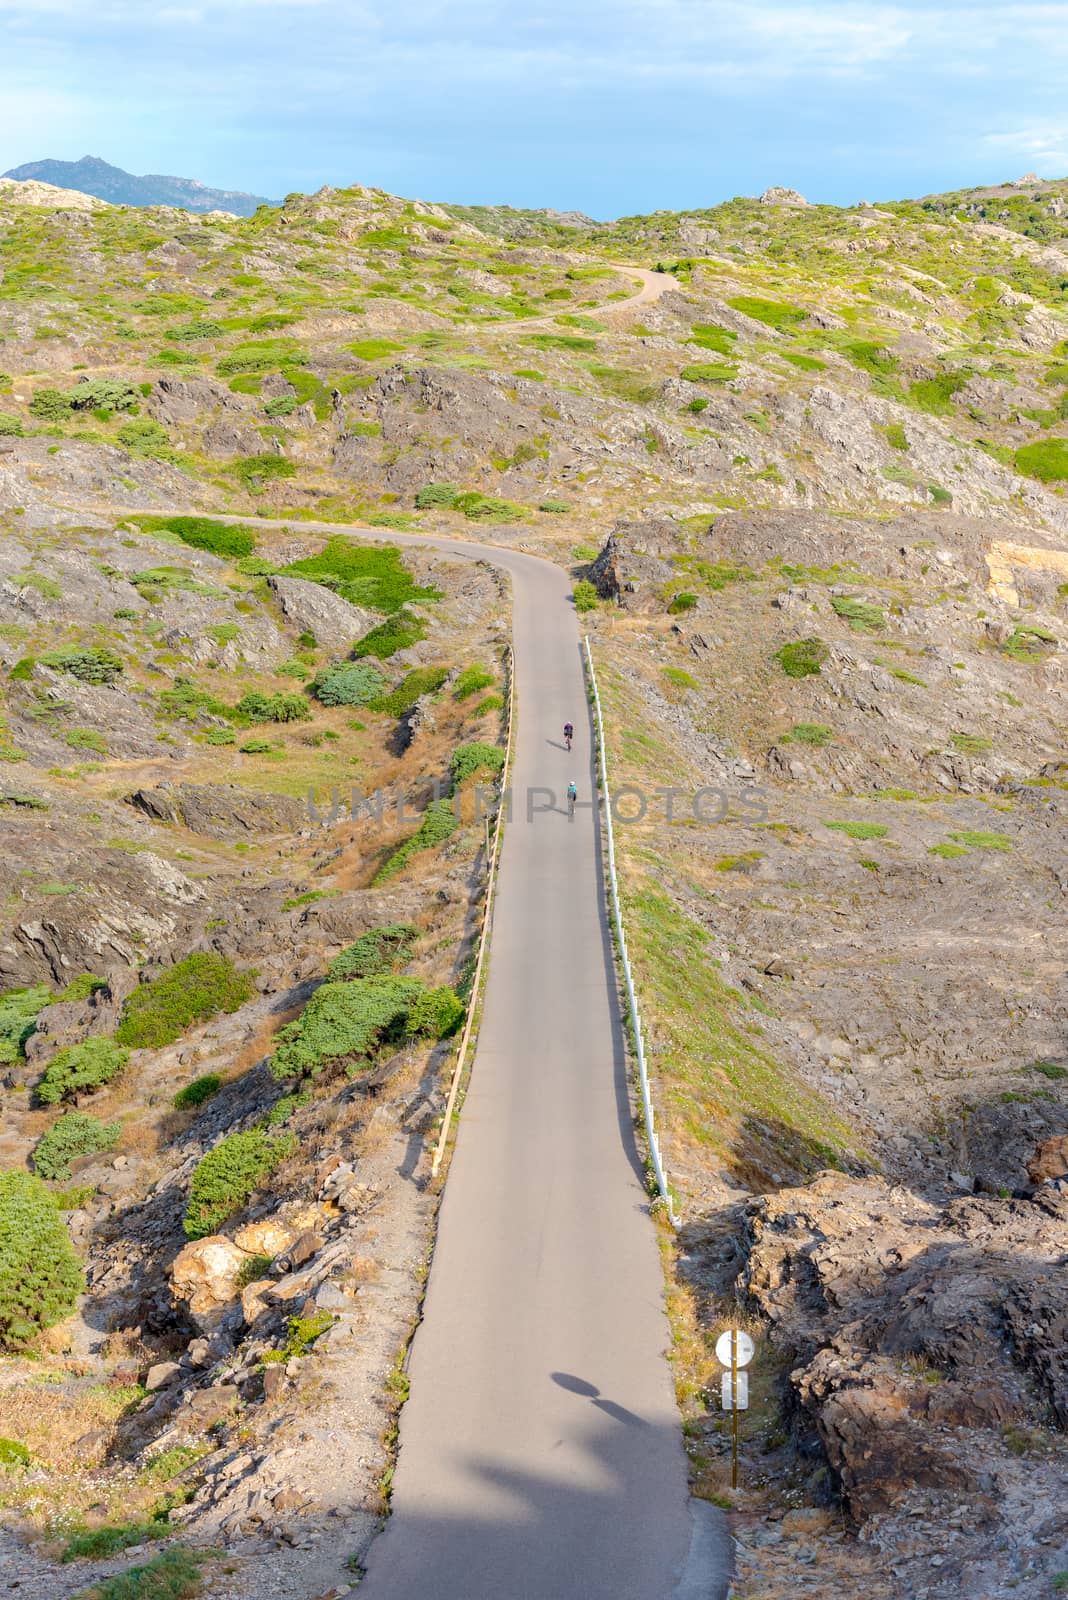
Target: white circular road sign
{"points": [[743, 1348]]}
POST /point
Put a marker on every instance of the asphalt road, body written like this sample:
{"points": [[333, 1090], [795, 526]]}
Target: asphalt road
{"points": [[540, 1449]]}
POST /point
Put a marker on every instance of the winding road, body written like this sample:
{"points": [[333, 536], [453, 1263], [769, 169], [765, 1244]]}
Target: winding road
{"points": [[540, 1450]]}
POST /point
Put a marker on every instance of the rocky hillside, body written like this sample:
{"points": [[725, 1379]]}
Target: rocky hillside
{"points": [[92, 176], [807, 465]]}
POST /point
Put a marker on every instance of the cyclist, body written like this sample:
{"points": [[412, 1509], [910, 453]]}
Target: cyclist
{"points": [[569, 734], [572, 796]]}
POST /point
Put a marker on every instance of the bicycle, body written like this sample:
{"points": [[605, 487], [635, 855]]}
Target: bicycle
{"points": [[572, 796], [569, 734]]}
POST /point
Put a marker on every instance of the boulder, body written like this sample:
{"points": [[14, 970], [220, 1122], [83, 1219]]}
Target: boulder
{"points": [[309, 608], [204, 1279], [1050, 1160]]}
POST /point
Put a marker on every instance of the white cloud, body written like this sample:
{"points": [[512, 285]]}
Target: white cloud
{"points": [[1044, 148]]}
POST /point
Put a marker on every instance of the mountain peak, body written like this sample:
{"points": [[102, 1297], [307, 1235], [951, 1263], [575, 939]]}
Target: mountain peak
{"points": [[93, 175]]}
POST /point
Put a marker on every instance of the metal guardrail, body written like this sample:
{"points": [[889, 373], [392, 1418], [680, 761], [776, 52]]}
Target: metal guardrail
{"points": [[628, 977], [483, 938]]}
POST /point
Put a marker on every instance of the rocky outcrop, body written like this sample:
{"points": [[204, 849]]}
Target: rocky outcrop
{"points": [[220, 810], [204, 1282], [309, 608], [908, 1321]]}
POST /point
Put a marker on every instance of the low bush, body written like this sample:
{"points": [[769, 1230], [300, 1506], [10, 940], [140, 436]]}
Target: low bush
{"points": [[40, 1278], [343, 1023], [14, 1456], [982, 839], [861, 615], [81, 987], [201, 986], [560, 341], [259, 747], [143, 437], [50, 405], [585, 596], [229, 1174], [436, 1014], [470, 681], [254, 472], [199, 328], [436, 494], [348, 683], [773, 313], [870, 357], [374, 349], [365, 575], [477, 757], [173, 1575], [859, 830], [259, 707], [684, 601], [935, 395], [204, 533], [487, 507], [198, 1092], [802, 362], [708, 372], [678, 678], [1029, 642], [398, 632], [1046, 460], [10, 426], [802, 658], [439, 823], [423, 680], [376, 951], [89, 664], [74, 1134], [86, 739], [100, 1544], [970, 744], [187, 701], [711, 337], [18, 1018], [555, 508], [81, 1068], [814, 733]]}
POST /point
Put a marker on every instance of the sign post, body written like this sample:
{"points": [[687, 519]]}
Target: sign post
{"points": [[734, 1349]]}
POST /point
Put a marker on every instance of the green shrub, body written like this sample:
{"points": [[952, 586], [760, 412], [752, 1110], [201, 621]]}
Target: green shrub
{"points": [[560, 341], [348, 683], [684, 601], [187, 701], [439, 823], [970, 744], [80, 1068], [100, 1544], [584, 595], [13, 1455], [173, 1575], [398, 632], [74, 1134], [816, 733], [803, 362], [204, 533], [220, 736], [255, 471], [871, 357], [366, 575], [470, 681], [711, 337], [708, 372], [191, 991], [198, 1092], [224, 1179], [89, 664], [343, 1023], [861, 616], [376, 951], [259, 707], [18, 1018], [555, 508], [436, 494], [492, 702], [678, 678], [143, 437], [1046, 459], [982, 839], [487, 507], [50, 405], [81, 987], [260, 356], [935, 395], [40, 1278], [258, 747], [773, 313], [436, 1014], [283, 405], [469, 759], [199, 328], [10, 426], [802, 658], [1028, 642], [895, 436], [859, 830], [373, 349], [423, 680], [86, 739]]}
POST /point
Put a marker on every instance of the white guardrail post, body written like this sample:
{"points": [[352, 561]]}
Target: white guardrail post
{"points": [[483, 941], [628, 978]]}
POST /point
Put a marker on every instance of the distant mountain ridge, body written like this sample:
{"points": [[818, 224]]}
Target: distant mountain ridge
{"points": [[93, 176]]}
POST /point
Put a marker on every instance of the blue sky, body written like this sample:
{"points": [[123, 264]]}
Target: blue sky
{"points": [[608, 106]]}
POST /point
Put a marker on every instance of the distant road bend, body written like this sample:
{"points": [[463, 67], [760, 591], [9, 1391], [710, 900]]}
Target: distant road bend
{"points": [[540, 1449]]}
